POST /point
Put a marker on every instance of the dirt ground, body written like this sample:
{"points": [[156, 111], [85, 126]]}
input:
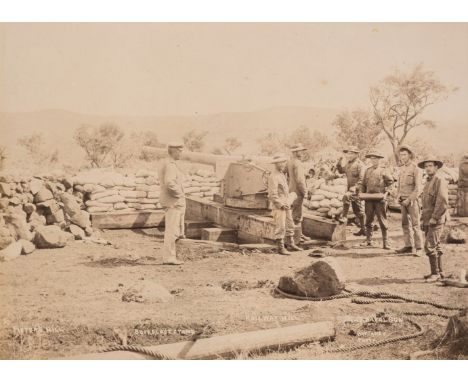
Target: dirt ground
{"points": [[62, 302]]}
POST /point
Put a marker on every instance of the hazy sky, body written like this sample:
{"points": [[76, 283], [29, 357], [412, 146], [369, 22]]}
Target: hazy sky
{"points": [[171, 69]]}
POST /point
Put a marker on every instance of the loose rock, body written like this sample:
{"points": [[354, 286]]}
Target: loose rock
{"points": [[147, 291], [11, 252], [316, 280], [27, 247], [50, 237], [78, 233]]}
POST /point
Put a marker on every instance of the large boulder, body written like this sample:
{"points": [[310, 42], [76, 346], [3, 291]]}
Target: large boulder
{"points": [[73, 211], [50, 236], [11, 252], [319, 279], [21, 227]]}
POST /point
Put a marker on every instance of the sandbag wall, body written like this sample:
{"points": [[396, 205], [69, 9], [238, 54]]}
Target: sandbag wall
{"points": [[326, 199], [453, 198], [40, 211], [110, 192]]}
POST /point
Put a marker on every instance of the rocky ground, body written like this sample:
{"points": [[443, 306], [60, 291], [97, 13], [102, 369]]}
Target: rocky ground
{"points": [[59, 302]]}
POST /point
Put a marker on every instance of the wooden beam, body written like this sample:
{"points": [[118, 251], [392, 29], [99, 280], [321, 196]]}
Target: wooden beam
{"points": [[229, 345], [137, 219]]}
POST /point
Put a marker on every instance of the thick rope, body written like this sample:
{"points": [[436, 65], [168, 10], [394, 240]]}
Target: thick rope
{"points": [[378, 297], [420, 331], [137, 349]]}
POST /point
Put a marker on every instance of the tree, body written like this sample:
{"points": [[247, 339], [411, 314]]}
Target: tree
{"points": [[357, 128], [35, 148], [270, 144], [99, 142], [400, 99], [144, 139], [314, 141], [231, 144], [194, 140]]}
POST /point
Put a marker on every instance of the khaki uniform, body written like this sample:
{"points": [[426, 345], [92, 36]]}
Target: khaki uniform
{"points": [[354, 171], [434, 206], [278, 193], [172, 198], [410, 187], [297, 184], [376, 179]]}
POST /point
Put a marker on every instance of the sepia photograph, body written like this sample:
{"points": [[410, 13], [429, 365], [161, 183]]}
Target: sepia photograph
{"points": [[233, 191]]}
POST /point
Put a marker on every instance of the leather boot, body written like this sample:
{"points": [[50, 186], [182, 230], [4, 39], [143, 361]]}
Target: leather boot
{"points": [[362, 230], [281, 249], [434, 276], [439, 265], [369, 237], [290, 245], [385, 242], [344, 215]]}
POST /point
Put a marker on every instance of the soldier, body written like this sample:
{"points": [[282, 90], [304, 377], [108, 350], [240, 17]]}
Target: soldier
{"points": [[434, 214], [376, 180], [409, 190], [172, 198], [354, 170], [297, 183], [278, 194]]}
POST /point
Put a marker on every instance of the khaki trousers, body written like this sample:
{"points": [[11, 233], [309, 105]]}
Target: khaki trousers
{"points": [[284, 224], [410, 216], [173, 221]]}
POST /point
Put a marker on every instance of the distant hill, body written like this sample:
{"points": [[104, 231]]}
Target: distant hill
{"points": [[58, 127]]}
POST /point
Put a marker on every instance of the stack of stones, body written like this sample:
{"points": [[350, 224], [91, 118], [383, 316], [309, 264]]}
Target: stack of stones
{"points": [[40, 211], [326, 200]]}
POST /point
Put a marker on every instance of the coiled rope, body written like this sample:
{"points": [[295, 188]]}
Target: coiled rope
{"points": [[377, 297]]}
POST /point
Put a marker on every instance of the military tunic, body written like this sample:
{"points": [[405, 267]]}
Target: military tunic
{"points": [[409, 188], [297, 184], [278, 193], [354, 171], [376, 180], [434, 206]]}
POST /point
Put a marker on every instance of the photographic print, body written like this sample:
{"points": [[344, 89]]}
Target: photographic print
{"points": [[233, 191]]}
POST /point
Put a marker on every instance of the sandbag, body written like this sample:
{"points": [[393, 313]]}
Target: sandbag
{"points": [[133, 194], [324, 203], [317, 197], [103, 194], [336, 203], [323, 209], [100, 208], [120, 206], [112, 199], [190, 190], [153, 195]]}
